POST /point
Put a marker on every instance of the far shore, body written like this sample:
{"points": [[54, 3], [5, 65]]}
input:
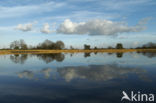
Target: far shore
{"points": [[3, 52]]}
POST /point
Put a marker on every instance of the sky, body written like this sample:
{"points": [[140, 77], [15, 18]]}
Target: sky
{"points": [[100, 23]]}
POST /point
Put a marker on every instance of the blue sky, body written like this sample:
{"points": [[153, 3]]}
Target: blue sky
{"points": [[77, 22]]}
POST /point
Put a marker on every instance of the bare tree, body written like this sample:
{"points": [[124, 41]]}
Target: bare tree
{"points": [[14, 45], [18, 44], [23, 45]]}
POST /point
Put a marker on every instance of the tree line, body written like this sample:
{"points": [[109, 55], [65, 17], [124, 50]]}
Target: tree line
{"points": [[59, 45], [118, 46], [149, 45], [47, 44]]}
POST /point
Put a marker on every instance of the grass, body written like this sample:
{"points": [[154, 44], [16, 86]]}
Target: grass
{"points": [[2, 52]]}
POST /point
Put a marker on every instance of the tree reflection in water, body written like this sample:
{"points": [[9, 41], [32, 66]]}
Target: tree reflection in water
{"points": [[19, 58], [148, 54], [86, 55], [119, 55], [47, 58]]}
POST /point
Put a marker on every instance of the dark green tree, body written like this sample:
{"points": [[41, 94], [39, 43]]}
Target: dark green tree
{"points": [[86, 47], [119, 46]]}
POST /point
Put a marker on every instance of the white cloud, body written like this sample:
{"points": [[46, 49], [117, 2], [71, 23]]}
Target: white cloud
{"points": [[46, 29], [24, 27], [99, 27], [135, 44]]}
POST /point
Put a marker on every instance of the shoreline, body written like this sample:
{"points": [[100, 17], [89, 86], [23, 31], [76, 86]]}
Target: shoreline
{"points": [[4, 52]]}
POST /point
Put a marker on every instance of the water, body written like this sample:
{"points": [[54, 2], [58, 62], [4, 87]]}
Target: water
{"points": [[75, 78]]}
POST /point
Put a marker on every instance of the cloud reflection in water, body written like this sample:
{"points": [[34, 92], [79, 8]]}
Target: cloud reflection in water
{"points": [[98, 72], [91, 72]]}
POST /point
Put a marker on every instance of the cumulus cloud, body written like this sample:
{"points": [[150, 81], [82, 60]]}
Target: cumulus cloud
{"points": [[24, 27], [46, 28], [99, 27]]}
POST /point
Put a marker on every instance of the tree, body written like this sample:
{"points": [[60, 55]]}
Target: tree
{"points": [[119, 46], [110, 47], [14, 45], [59, 45], [95, 48], [18, 44], [149, 45], [71, 47], [47, 44], [86, 47], [23, 45]]}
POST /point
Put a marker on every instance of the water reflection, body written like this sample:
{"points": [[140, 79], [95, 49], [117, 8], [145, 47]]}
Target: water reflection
{"points": [[19, 58], [47, 58], [59, 57], [99, 72], [109, 53], [75, 80], [91, 72], [46, 72], [86, 55], [119, 55], [148, 54], [26, 74]]}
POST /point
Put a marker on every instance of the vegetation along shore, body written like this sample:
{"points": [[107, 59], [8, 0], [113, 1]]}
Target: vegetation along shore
{"points": [[74, 51], [20, 47]]}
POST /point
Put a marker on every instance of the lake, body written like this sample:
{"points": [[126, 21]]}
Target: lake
{"points": [[75, 77]]}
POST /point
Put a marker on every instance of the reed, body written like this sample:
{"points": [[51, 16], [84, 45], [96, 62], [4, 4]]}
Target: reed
{"points": [[73, 51]]}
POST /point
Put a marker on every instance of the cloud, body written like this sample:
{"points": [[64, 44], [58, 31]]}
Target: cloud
{"points": [[135, 44], [24, 27], [99, 27], [125, 5], [23, 10], [46, 29]]}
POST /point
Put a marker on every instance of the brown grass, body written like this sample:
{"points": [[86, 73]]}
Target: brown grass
{"points": [[2, 52]]}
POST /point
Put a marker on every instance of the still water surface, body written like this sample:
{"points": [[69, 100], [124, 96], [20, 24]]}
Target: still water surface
{"points": [[75, 78]]}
